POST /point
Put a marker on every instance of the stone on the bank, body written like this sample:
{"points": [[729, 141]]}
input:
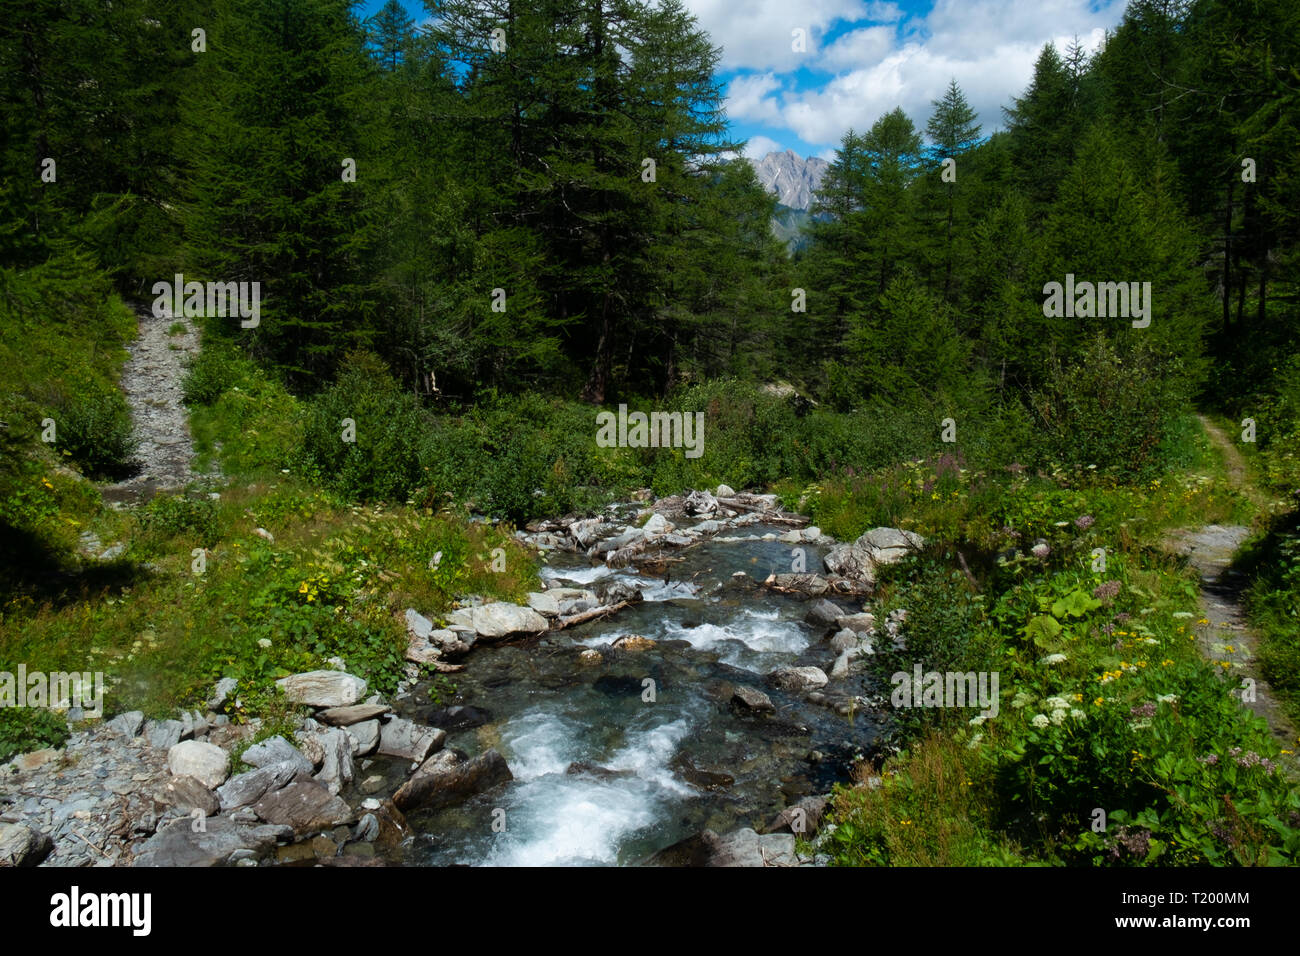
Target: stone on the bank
{"points": [[186, 794], [336, 769], [164, 734], [247, 788], [700, 503], [502, 620], [127, 725], [223, 689], [798, 678], [207, 763], [22, 845], [802, 819], [219, 843], [303, 805], [274, 750], [657, 524], [440, 783], [323, 688], [364, 736], [408, 740], [812, 584], [357, 713], [863, 622], [742, 848]]}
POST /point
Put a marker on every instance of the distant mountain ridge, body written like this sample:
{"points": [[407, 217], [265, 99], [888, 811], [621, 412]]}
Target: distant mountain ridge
{"points": [[790, 177]]}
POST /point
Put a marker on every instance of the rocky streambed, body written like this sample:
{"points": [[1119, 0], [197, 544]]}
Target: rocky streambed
{"points": [[684, 691]]}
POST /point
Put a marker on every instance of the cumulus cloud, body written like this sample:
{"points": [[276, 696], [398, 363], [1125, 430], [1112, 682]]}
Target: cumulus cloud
{"points": [[760, 146], [757, 35], [749, 98], [878, 60]]}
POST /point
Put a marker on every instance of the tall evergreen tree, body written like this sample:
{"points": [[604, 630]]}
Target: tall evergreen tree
{"points": [[272, 124]]}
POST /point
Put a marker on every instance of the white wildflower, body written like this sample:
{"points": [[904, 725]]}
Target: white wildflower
{"points": [[1040, 720]]}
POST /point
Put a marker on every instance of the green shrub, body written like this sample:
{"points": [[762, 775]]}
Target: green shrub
{"points": [[1112, 409], [209, 374], [178, 515], [24, 729], [383, 462], [94, 427]]}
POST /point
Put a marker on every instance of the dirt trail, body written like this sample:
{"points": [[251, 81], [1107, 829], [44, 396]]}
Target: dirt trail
{"points": [[1226, 637], [151, 380]]}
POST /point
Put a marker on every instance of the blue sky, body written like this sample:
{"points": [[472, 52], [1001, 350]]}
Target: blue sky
{"points": [[864, 57]]}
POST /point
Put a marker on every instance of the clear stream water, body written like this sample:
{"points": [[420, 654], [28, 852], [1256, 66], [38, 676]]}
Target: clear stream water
{"points": [[604, 776]]}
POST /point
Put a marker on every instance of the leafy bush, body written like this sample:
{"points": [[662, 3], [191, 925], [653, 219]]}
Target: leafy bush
{"points": [[1112, 409], [210, 373], [24, 729], [383, 461], [176, 515], [94, 427]]}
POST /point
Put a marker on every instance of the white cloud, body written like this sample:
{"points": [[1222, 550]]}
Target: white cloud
{"points": [[988, 46], [749, 98], [760, 146], [857, 47], [757, 35]]}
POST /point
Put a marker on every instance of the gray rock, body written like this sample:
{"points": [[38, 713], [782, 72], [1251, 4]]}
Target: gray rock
{"points": [[544, 603], [802, 819], [892, 539], [248, 788], [193, 724], [22, 845], [365, 737], [751, 700], [725, 491], [441, 781], [615, 591], [323, 688], [205, 762], [222, 690], [862, 623], [337, 769], [274, 750], [843, 640], [798, 678], [303, 805], [500, 619], [411, 741], [850, 561], [127, 725], [840, 669], [357, 713], [186, 794], [178, 844], [367, 828], [586, 531], [417, 625], [164, 734], [741, 848], [812, 584], [700, 503], [657, 524]]}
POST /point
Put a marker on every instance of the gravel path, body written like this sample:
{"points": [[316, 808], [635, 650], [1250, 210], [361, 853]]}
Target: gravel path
{"points": [[151, 380], [1226, 636]]}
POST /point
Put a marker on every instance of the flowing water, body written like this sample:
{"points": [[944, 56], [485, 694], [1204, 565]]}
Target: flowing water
{"points": [[609, 767]]}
